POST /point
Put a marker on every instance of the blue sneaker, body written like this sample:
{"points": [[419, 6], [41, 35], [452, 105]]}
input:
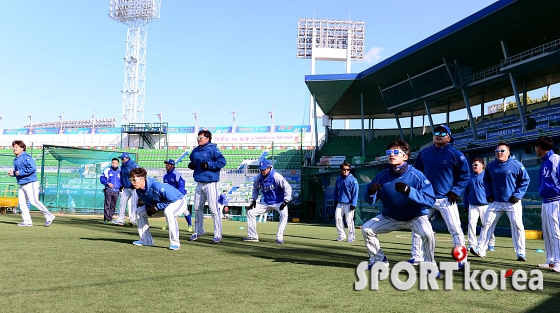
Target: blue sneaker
{"points": [[250, 239], [350, 239], [194, 237], [474, 251], [521, 257], [490, 248], [340, 239], [24, 224], [216, 239], [280, 242], [48, 222], [414, 261], [137, 243], [173, 247], [384, 261], [461, 266]]}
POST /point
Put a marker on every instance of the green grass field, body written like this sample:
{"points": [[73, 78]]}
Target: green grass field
{"points": [[80, 265]]}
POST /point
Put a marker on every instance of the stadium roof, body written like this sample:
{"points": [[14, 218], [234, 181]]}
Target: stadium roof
{"points": [[467, 48]]}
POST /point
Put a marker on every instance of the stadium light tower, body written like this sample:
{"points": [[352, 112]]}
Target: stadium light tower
{"points": [[330, 40], [136, 14]]}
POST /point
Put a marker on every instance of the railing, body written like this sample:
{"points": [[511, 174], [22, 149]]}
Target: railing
{"points": [[489, 72], [530, 53]]}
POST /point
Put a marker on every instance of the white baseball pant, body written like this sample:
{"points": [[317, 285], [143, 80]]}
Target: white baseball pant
{"points": [[207, 192], [262, 217], [343, 209], [171, 212], [550, 216], [30, 192], [265, 208], [493, 214], [450, 214], [382, 224], [126, 194], [476, 211]]}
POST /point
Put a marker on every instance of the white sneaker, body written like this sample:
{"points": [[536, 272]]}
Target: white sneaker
{"points": [[546, 265]]}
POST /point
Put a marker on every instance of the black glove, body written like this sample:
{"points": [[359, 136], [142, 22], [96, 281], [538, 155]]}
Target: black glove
{"points": [[335, 204], [375, 187], [402, 187], [204, 165], [121, 188], [151, 210], [513, 199], [140, 203], [283, 205], [191, 166], [490, 199], [352, 208], [451, 197], [253, 205]]}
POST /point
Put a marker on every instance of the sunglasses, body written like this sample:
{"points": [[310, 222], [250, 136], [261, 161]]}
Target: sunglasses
{"points": [[395, 152], [133, 179], [200, 137], [440, 134], [500, 150], [345, 169], [474, 165]]}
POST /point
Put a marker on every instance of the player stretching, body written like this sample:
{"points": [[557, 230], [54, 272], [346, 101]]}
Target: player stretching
{"points": [[174, 178], [505, 183], [276, 193], [25, 172], [407, 197], [206, 162], [345, 200], [448, 171]]}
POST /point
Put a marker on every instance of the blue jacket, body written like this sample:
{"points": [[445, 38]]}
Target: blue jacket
{"points": [[27, 170], [549, 178], [397, 205], [446, 168], [113, 176], [126, 167], [208, 153], [505, 179], [222, 199], [175, 179], [346, 190], [274, 187], [474, 192], [159, 194]]}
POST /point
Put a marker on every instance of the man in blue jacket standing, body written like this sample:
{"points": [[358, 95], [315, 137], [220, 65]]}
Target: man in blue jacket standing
{"points": [[505, 183], [206, 162], [157, 197], [276, 194], [407, 197], [25, 172], [174, 178], [111, 179], [345, 200], [127, 192], [448, 171]]}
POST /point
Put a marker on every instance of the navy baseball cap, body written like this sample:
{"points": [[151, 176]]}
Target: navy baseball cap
{"points": [[264, 164], [445, 128], [169, 162], [124, 155]]}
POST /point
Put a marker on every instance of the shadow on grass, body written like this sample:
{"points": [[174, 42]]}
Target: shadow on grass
{"points": [[117, 240]]}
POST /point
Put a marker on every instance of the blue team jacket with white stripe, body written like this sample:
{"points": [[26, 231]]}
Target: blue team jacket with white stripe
{"points": [[113, 176], [549, 178], [210, 154], [274, 187], [474, 192], [175, 179], [397, 205], [446, 168], [126, 167], [505, 179], [159, 194], [346, 190], [27, 170]]}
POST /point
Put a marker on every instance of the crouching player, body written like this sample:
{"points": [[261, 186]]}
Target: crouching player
{"points": [[157, 197], [407, 197]]}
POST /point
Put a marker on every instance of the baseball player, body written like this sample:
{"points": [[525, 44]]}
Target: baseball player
{"points": [[276, 194], [474, 200], [25, 172], [206, 162], [505, 183], [448, 171], [222, 203], [407, 197], [157, 197], [111, 179], [549, 189], [174, 178], [345, 200], [127, 193]]}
